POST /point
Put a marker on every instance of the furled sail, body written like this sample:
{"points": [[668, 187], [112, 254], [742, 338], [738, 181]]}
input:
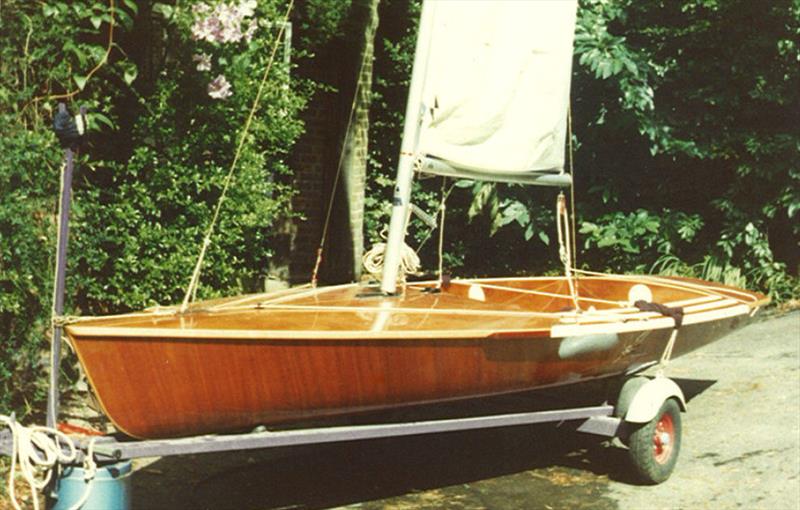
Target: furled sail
{"points": [[496, 88]]}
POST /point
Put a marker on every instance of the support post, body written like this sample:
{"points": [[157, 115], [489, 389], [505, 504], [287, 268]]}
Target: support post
{"points": [[61, 272]]}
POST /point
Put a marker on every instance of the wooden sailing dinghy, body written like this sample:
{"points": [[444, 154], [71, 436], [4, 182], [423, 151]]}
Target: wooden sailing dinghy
{"points": [[308, 353], [488, 100]]}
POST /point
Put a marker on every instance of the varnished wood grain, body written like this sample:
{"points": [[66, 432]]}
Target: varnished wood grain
{"points": [[163, 384]]}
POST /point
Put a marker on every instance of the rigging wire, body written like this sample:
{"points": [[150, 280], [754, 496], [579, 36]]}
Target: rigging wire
{"points": [[331, 199], [444, 198], [442, 209], [191, 290], [565, 247]]}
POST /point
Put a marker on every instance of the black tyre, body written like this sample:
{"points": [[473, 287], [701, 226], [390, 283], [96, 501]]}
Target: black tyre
{"points": [[654, 446]]}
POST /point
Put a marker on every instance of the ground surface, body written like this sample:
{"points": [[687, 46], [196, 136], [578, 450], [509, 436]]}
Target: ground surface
{"points": [[741, 449]]}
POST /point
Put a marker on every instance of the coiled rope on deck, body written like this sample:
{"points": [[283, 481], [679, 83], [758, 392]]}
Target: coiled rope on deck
{"points": [[373, 261]]}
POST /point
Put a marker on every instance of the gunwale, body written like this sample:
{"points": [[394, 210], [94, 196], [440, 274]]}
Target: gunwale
{"points": [[500, 310]]}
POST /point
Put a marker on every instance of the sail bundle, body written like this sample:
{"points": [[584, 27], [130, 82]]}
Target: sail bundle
{"points": [[496, 89]]}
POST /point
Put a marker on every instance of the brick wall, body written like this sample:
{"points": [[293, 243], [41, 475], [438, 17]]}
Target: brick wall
{"points": [[316, 156], [311, 160]]}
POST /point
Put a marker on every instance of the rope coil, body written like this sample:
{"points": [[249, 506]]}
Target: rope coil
{"points": [[373, 261], [35, 452]]}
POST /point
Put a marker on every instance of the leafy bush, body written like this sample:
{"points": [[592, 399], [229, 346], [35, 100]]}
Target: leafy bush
{"points": [[163, 133], [675, 162], [29, 182], [47, 50], [639, 235], [143, 219]]}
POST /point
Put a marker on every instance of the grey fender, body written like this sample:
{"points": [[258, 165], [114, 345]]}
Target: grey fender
{"points": [[577, 346], [641, 398]]}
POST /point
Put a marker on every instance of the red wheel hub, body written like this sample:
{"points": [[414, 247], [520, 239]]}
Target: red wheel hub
{"points": [[664, 438]]}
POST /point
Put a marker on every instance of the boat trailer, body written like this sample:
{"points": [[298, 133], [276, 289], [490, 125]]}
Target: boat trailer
{"points": [[645, 417]]}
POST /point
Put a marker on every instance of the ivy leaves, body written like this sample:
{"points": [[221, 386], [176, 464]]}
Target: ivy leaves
{"points": [[91, 57]]}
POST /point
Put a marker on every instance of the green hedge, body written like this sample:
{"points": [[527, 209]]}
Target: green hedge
{"points": [[152, 170]]}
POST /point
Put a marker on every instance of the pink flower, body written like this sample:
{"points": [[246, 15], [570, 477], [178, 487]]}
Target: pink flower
{"points": [[251, 30], [207, 29], [219, 88], [223, 24], [203, 61], [201, 8], [231, 20], [247, 8]]}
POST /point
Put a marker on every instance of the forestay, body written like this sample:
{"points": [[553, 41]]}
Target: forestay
{"points": [[496, 88]]}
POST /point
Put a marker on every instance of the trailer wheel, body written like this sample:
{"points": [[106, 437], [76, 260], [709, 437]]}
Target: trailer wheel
{"points": [[654, 446]]}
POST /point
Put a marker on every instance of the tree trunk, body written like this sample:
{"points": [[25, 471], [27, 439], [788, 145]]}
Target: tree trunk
{"points": [[345, 243]]}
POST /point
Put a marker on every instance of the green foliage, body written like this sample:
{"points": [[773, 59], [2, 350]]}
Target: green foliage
{"points": [[29, 184], [639, 235], [721, 136], [47, 48], [56, 48], [143, 219], [321, 20], [685, 146], [635, 73], [153, 169]]}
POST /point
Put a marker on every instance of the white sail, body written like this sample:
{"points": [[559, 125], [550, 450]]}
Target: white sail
{"points": [[488, 99], [496, 90]]}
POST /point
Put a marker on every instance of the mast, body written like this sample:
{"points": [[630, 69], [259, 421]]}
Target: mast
{"points": [[408, 149]]}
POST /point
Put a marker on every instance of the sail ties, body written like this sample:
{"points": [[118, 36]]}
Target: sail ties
{"points": [[565, 246]]}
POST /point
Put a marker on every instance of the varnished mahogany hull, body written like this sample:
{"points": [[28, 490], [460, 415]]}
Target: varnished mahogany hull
{"points": [[154, 386]]}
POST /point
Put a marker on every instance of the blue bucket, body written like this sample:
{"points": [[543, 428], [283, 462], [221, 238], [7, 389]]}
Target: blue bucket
{"points": [[110, 489]]}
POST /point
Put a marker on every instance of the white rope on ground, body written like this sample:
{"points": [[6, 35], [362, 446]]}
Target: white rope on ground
{"points": [[35, 451]]}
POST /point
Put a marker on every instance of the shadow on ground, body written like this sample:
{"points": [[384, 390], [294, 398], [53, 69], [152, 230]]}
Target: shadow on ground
{"points": [[495, 468], [693, 387]]}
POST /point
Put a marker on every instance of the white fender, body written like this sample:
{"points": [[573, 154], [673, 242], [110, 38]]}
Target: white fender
{"points": [[649, 398]]}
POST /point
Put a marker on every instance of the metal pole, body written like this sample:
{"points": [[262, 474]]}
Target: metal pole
{"points": [[408, 149], [61, 272]]}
